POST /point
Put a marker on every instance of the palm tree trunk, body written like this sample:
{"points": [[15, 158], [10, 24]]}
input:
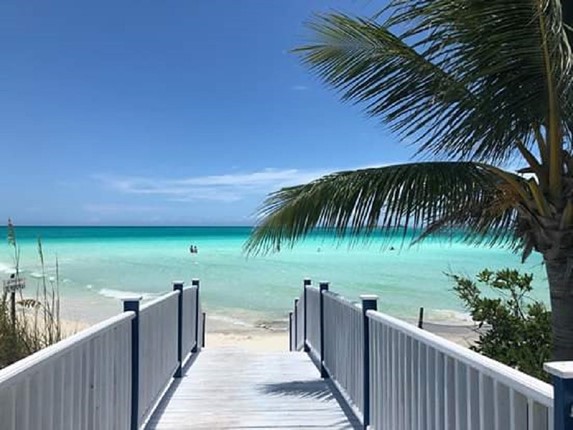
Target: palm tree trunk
{"points": [[560, 277]]}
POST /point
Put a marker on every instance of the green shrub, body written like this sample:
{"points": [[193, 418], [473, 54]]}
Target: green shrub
{"points": [[513, 328]]}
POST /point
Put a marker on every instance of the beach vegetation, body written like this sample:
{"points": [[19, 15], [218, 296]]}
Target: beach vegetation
{"points": [[484, 90], [513, 328], [28, 323]]}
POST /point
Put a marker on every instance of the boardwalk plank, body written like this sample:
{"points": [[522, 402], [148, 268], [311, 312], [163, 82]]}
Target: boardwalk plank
{"points": [[230, 388]]}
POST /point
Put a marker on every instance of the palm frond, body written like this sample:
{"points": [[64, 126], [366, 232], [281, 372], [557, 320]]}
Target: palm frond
{"points": [[493, 221], [428, 195], [466, 79]]}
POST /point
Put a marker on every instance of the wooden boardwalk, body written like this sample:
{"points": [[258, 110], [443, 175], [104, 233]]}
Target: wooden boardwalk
{"points": [[229, 388]]}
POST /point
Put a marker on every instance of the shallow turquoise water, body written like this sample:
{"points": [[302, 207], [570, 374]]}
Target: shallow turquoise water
{"points": [[98, 265]]}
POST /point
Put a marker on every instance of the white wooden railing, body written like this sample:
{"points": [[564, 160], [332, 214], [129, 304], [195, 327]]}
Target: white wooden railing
{"points": [[110, 376], [399, 377], [313, 334], [191, 320], [422, 381], [81, 382], [299, 321], [343, 349], [158, 359], [297, 328]]}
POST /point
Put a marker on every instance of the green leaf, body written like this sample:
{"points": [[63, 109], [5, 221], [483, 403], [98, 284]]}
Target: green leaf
{"points": [[517, 329], [464, 79], [432, 196]]}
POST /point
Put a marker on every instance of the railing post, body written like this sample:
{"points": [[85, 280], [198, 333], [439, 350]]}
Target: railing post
{"points": [[562, 372], [290, 348], [421, 318], [195, 283], [306, 283], [323, 286], [178, 286], [369, 302], [295, 324], [132, 305], [203, 334]]}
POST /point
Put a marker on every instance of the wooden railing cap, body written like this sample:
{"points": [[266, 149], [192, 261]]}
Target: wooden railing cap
{"points": [[131, 299], [561, 369]]}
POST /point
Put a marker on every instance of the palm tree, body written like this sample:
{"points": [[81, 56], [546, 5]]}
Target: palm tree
{"points": [[484, 88]]}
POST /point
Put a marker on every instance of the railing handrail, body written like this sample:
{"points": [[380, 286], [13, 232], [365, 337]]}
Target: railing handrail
{"points": [[10, 374], [527, 385], [343, 329], [159, 299], [118, 399], [397, 353], [344, 300]]}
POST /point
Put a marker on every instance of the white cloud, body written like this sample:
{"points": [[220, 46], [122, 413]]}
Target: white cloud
{"points": [[226, 187], [112, 209]]}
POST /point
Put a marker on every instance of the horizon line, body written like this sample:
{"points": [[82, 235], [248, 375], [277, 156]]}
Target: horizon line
{"points": [[134, 225]]}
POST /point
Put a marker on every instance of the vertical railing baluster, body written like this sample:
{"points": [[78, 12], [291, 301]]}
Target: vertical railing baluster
{"points": [[132, 305], [305, 283], [195, 283], [323, 287], [369, 303], [178, 286]]}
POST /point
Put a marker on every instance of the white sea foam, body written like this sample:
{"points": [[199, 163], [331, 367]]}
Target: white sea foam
{"points": [[122, 294], [449, 316], [230, 320], [7, 268]]}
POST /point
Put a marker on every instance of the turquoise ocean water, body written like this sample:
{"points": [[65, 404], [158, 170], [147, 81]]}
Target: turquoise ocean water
{"points": [[99, 265]]}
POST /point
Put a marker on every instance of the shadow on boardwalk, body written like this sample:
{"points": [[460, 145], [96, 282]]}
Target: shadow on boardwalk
{"points": [[237, 389], [321, 390], [317, 390]]}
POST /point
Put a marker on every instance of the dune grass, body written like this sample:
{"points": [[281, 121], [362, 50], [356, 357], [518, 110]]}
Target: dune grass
{"points": [[34, 322]]}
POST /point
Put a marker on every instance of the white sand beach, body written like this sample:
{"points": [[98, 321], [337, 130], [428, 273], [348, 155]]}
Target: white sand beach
{"points": [[221, 335], [278, 341]]}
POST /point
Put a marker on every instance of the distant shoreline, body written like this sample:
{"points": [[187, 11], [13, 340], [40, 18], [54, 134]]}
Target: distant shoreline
{"points": [[220, 335], [98, 265]]}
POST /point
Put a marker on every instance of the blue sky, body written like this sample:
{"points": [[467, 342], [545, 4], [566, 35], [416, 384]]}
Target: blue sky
{"points": [[178, 112]]}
